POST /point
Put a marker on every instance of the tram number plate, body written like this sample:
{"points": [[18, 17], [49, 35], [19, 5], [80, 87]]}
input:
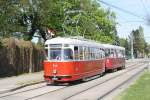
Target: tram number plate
{"points": [[54, 78]]}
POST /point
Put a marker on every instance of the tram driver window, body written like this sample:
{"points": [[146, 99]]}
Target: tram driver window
{"points": [[68, 54], [55, 54]]}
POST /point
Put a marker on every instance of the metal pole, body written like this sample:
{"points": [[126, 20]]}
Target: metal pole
{"points": [[132, 57]]}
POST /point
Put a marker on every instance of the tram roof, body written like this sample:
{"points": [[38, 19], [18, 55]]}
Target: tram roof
{"points": [[73, 41], [113, 47]]}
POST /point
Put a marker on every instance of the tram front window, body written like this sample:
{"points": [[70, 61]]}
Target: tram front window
{"points": [[68, 54], [55, 54]]}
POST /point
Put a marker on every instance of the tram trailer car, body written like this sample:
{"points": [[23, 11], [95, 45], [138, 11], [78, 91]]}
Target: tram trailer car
{"points": [[115, 57], [70, 59]]}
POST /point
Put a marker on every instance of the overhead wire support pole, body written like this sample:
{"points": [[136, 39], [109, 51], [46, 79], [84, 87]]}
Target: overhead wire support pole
{"points": [[132, 57]]}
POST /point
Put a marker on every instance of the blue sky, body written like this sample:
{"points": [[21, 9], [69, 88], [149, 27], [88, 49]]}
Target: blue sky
{"points": [[129, 22]]}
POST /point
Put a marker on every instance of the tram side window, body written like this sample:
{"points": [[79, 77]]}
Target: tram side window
{"points": [[111, 53], [102, 53], [89, 53], [81, 53], [92, 54], [68, 54], [97, 53], [107, 52], [76, 53], [115, 53], [86, 53], [121, 54]]}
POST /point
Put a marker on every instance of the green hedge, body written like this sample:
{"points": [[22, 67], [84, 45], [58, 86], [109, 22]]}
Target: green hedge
{"points": [[19, 56]]}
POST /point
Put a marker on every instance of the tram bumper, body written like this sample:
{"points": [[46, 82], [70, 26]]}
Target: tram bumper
{"points": [[58, 78]]}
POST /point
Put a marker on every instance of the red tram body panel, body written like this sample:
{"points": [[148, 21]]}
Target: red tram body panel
{"points": [[70, 71]]}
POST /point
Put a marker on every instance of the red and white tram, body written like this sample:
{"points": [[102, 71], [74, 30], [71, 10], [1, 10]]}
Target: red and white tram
{"points": [[115, 57], [71, 59]]}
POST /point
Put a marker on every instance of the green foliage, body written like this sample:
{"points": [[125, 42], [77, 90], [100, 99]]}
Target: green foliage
{"points": [[147, 48], [68, 17], [138, 40], [9, 16], [126, 44], [92, 22]]}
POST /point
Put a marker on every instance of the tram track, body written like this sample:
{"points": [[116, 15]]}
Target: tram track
{"points": [[115, 88], [52, 91], [101, 84], [67, 97]]}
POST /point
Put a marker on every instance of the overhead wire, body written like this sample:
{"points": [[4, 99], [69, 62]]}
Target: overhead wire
{"points": [[123, 10], [144, 7], [131, 21], [126, 11]]}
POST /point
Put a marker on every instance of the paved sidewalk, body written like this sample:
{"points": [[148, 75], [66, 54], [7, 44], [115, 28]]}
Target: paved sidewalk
{"points": [[16, 82]]}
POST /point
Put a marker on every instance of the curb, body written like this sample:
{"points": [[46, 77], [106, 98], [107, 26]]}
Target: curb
{"points": [[19, 87]]}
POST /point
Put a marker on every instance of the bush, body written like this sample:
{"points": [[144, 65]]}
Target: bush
{"points": [[19, 56]]}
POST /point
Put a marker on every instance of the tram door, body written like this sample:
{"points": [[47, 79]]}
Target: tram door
{"points": [[77, 57]]}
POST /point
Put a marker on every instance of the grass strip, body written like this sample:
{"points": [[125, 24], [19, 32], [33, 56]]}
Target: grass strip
{"points": [[140, 90]]}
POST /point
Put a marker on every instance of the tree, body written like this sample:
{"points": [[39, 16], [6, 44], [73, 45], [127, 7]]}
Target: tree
{"points": [[9, 16], [138, 41], [90, 21], [68, 17], [147, 48], [126, 44]]}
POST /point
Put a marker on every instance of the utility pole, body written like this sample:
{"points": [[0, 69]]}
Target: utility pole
{"points": [[132, 57]]}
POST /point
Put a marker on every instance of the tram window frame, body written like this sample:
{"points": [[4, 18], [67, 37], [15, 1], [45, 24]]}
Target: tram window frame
{"points": [[67, 55], [92, 54], [115, 53], [76, 53], [81, 53], [106, 53], [97, 54], [120, 53], [103, 53], [89, 53], [57, 58], [86, 53], [111, 53]]}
